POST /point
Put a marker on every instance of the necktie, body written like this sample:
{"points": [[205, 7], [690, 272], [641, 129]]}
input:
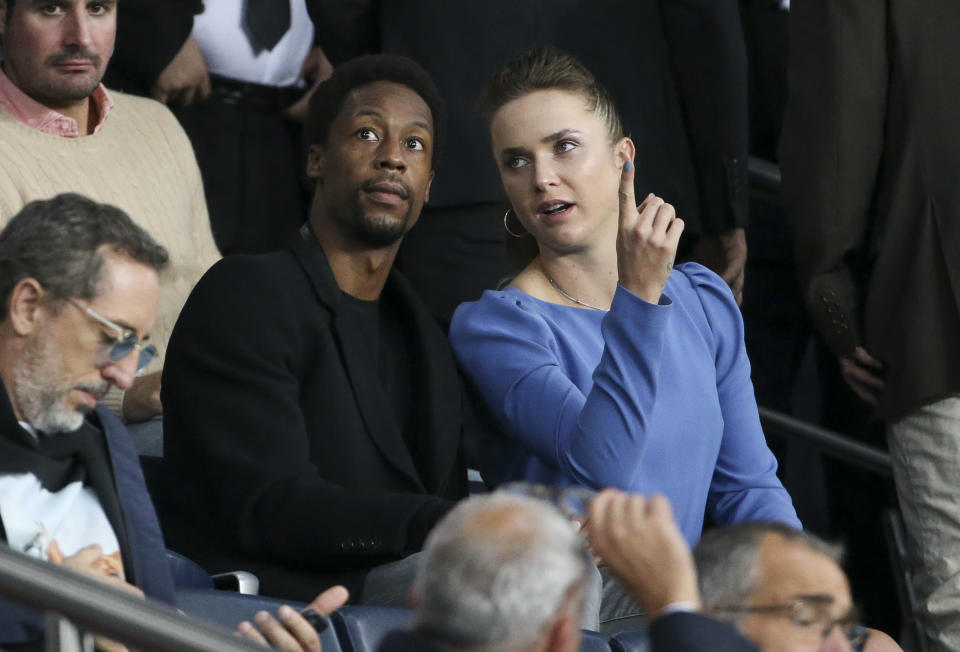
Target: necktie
{"points": [[265, 22]]}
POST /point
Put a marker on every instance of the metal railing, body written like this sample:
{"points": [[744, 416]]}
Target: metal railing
{"points": [[838, 446], [96, 607]]}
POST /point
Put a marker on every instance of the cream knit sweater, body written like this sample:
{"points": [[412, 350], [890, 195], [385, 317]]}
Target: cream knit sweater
{"points": [[140, 161]]}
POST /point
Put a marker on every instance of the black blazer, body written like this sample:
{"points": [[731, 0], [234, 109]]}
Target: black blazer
{"points": [[281, 441], [693, 632], [676, 632], [676, 68], [870, 152], [150, 33]]}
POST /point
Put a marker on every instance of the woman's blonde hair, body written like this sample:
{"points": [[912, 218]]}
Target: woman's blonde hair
{"points": [[549, 68]]}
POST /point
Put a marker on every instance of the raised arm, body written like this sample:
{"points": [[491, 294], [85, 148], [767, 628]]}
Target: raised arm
{"points": [[744, 485]]}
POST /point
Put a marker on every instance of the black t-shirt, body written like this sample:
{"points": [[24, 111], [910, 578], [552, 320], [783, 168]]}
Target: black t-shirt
{"points": [[379, 324]]}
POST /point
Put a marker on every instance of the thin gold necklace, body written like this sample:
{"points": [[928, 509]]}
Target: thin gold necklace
{"points": [[574, 299]]}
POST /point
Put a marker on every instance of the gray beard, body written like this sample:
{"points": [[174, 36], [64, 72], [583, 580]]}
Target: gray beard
{"points": [[36, 394]]}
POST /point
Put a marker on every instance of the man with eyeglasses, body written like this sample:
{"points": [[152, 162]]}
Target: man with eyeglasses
{"points": [[781, 589], [79, 283]]}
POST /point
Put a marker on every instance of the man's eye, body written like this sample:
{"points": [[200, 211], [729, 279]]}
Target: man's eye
{"points": [[367, 134], [97, 9], [515, 162], [415, 144], [51, 9], [564, 146]]}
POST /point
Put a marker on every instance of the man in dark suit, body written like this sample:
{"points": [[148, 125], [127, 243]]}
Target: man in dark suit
{"points": [[315, 412], [869, 151], [676, 69]]}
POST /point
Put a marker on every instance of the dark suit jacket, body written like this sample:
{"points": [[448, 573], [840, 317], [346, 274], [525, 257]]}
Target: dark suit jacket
{"points": [[693, 632], [676, 68], [870, 152], [677, 632], [148, 557], [283, 445], [150, 33]]}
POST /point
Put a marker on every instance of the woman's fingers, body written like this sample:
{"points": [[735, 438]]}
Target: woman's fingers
{"points": [[628, 203]]}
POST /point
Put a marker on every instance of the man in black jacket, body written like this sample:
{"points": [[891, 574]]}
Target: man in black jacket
{"points": [[314, 424]]}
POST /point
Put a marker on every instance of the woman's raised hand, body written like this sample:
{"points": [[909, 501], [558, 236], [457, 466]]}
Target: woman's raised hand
{"points": [[647, 240]]}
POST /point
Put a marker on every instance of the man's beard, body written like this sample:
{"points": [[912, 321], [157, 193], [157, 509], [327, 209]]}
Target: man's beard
{"points": [[39, 392], [69, 90], [377, 231]]}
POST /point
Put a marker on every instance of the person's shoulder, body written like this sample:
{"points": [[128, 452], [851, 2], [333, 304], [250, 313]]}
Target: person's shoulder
{"points": [[497, 304], [147, 116], [509, 313], [687, 277], [144, 107], [267, 277]]}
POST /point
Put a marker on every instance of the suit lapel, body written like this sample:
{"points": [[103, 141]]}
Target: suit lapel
{"points": [[436, 387], [147, 549], [373, 406]]}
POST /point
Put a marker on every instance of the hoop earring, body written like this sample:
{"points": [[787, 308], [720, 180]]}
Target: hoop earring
{"points": [[507, 226]]}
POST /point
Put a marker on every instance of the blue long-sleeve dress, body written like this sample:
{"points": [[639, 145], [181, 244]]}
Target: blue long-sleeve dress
{"points": [[646, 398]]}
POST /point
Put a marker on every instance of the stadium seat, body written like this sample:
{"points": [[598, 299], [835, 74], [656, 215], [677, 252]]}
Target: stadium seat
{"points": [[636, 641], [361, 629], [228, 609]]}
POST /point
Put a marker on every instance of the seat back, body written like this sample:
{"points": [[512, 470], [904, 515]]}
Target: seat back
{"points": [[594, 642], [228, 609], [187, 574], [636, 641], [361, 629]]}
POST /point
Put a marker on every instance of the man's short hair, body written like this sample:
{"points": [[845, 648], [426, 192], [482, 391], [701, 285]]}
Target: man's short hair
{"points": [[327, 101], [59, 242], [726, 560], [496, 571]]}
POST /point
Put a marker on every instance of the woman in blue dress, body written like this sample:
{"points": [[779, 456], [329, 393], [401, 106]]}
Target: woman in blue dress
{"points": [[604, 365]]}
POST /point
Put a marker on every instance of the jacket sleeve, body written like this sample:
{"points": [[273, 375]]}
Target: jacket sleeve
{"points": [[830, 153], [695, 632], [236, 437], [709, 62], [150, 33]]}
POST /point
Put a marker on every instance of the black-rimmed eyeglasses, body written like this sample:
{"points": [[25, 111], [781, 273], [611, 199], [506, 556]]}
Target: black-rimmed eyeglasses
{"points": [[807, 616], [126, 341]]}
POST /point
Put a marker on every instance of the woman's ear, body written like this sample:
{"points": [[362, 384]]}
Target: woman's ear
{"points": [[625, 151]]}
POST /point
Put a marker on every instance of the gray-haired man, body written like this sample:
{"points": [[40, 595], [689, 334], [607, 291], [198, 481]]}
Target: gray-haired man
{"points": [[79, 283]]}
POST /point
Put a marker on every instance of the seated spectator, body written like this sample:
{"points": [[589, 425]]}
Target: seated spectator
{"points": [[508, 572], [499, 572], [63, 131], [603, 364], [80, 285], [313, 411], [781, 588]]}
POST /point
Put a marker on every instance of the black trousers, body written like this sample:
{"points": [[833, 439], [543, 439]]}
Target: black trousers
{"points": [[253, 174]]}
